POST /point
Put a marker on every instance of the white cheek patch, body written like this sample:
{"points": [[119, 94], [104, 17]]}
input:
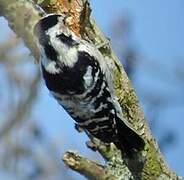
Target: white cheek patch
{"points": [[68, 56]]}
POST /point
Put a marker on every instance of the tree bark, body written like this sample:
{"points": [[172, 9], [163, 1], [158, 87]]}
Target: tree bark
{"points": [[147, 164]]}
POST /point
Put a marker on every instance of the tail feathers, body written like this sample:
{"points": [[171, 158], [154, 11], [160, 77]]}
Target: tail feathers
{"points": [[128, 140]]}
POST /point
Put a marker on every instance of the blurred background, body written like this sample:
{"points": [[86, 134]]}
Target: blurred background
{"points": [[35, 131]]}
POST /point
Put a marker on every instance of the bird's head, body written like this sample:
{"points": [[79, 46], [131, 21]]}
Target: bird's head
{"points": [[52, 27], [54, 39]]}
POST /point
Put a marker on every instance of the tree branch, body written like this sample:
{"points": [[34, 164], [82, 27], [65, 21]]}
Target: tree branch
{"points": [[148, 164], [84, 166]]}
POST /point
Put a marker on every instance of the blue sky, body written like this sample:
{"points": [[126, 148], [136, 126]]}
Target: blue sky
{"points": [[157, 25], [157, 28]]}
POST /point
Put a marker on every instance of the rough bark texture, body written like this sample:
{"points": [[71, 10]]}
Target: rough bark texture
{"points": [[148, 164]]}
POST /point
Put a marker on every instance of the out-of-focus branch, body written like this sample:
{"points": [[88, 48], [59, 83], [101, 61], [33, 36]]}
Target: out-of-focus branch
{"points": [[10, 43], [148, 164], [23, 109]]}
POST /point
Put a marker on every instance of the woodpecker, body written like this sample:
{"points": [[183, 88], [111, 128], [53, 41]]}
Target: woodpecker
{"points": [[78, 77]]}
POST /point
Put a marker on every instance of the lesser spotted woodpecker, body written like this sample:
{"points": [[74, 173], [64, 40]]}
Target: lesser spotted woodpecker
{"points": [[78, 77]]}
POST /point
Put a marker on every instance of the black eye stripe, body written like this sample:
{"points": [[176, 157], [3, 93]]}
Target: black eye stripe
{"points": [[66, 39]]}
